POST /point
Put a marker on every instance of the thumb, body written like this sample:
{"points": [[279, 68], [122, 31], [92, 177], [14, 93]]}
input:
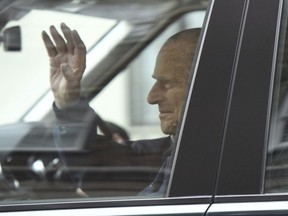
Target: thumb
{"points": [[67, 71]]}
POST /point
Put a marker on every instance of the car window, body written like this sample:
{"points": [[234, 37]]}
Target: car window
{"points": [[105, 141], [276, 169]]}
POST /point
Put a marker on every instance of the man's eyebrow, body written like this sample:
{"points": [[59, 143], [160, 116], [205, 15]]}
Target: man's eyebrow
{"points": [[160, 78], [154, 77]]}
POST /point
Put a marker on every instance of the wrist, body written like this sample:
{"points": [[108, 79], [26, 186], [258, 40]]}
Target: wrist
{"points": [[64, 103]]}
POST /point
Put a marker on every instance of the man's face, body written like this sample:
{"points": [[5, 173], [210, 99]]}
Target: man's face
{"points": [[168, 92]]}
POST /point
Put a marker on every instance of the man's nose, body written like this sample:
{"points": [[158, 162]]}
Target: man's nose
{"points": [[155, 95]]}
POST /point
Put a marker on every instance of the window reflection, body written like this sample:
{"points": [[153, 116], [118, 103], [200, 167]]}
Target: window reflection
{"points": [[88, 148], [33, 53], [276, 169]]}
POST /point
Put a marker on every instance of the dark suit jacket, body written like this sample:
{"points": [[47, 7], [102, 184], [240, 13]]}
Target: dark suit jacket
{"points": [[78, 126]]}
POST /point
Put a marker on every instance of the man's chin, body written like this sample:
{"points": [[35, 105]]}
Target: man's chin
{"points": [[169, 129]]}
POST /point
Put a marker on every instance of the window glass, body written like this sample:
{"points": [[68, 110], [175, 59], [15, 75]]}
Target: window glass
{"points": [[277, 160], [95, 134]]}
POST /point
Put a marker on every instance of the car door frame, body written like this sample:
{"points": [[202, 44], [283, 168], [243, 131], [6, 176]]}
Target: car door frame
{"points": [[200, 135], [241, 173]]}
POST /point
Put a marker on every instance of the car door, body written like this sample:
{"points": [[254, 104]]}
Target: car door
{"points": [[251, 175]]}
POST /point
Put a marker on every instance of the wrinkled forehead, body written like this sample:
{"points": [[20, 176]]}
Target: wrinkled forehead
{"points": [[174, 60], [183, 48]]}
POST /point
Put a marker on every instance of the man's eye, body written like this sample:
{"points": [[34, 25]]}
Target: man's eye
{"points": [[169, 84], [166, 85]]}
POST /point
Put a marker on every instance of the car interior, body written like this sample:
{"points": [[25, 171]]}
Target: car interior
{"points": [[121, 50]]}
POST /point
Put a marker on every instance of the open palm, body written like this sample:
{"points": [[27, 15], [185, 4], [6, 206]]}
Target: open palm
{"points": [[67, 64]]}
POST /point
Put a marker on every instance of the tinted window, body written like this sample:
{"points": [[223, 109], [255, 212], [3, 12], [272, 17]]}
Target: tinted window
{"points": [[88, 148], [276, 170]]}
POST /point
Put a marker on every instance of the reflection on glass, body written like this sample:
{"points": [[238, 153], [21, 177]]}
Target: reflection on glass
{"points": [[276, 180], [33, 53], [83, 145]]}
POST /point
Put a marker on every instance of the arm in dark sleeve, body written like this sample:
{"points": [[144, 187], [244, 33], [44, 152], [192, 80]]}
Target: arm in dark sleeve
{"points": [[80, 112], [75, 125]]}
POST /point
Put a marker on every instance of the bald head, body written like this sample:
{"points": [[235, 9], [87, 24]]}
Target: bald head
{"points": [[181, 48], [171, 72], [187, 34]]}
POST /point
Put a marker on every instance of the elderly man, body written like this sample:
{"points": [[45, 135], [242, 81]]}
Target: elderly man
{"points": [[173, 65]]}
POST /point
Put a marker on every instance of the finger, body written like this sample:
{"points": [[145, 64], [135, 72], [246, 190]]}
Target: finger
{"points": [[67, 72], [58, 39], [80, 48], [68, 36], [50, 47]]}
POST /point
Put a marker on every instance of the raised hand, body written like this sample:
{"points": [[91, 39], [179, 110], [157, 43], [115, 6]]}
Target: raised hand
{"points": [[67, 64]]}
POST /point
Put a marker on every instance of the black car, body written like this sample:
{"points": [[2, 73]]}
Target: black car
{"points": [[231, 152]]}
